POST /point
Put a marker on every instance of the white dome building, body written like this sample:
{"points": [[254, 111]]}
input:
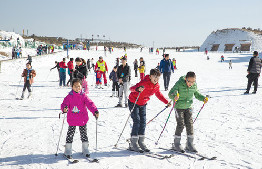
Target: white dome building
{"points": [[234, 39]]}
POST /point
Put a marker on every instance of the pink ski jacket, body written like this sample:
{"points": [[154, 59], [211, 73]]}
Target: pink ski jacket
{"points": [[77, 104]]}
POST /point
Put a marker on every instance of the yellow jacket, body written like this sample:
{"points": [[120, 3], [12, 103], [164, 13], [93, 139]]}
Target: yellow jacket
{"points": [[141, 69]]}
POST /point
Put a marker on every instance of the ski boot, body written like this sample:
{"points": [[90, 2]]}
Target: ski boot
{"points": [[189, 144], [141, 143], [68, 150], [176, 145], [119, 105], [85, 150], [23, 95], [133, 145], [29, 95], [113, 94]]}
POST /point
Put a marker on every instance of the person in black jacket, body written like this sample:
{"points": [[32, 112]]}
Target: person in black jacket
{"points": [[135, 67], [254, 69], [115, 86], [123, 75], [58, 69], [80, 69], [88, 64]]}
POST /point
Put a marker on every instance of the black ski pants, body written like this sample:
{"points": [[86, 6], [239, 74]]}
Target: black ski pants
{"points": [[71, 132], [28, 86], [166, 76], [252, 77]]}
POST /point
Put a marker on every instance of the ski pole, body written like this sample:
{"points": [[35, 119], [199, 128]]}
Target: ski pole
{"points": [[127, 119], [60, 133], [207, 96], [96, 134], [165, 124], [157, 115], [18, 86], [199, 112], [167, 120]]}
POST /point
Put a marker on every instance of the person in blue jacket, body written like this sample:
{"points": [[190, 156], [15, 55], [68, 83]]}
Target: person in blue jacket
{"points": [[166, 66]]}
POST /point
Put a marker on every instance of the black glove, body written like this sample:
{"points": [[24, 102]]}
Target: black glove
{"points": [[66, 111], [137, 89], [96, 114]]}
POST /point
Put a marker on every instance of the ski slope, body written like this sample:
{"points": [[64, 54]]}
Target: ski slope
{"points": [[228, 127]]}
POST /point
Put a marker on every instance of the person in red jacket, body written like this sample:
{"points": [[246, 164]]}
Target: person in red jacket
{"points": [[70, 66], [103, 67], [62, 72], [144, 89]]}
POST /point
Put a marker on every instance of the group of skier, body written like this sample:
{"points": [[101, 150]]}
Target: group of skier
{"points": [[77, 102], [181, 93]]}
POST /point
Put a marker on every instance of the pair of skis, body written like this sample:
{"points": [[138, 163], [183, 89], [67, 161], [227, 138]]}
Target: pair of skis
{"points": [[89, 159], [197, 156]]}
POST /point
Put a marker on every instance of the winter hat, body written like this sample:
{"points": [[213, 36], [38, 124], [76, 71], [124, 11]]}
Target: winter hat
{"points": [[124, 58]]}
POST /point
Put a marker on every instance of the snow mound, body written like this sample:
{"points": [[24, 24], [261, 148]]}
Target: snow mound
{"points": [[230, 39], [15, 39]]}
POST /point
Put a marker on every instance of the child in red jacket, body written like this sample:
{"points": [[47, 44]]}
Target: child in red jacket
{"points": [[146, 88]]}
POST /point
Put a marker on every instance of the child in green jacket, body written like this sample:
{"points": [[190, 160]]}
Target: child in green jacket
{"points": [[187, 88]]}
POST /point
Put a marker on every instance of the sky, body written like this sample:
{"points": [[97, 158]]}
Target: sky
{"points": [[160, 23]]}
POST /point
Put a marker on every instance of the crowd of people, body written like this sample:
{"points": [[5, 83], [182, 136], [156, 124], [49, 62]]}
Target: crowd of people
{"points": [[45, 49], [181, 94], [16, 52]]}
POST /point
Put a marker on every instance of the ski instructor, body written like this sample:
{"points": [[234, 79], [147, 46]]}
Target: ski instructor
{"points": [[103, 67]]}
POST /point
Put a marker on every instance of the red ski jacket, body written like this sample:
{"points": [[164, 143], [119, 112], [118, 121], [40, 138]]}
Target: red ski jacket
{"points": [[70, 65], [150, 89], [62, 65]]}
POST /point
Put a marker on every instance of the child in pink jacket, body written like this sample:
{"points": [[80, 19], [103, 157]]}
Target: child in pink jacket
{"points": [[75, 104]]}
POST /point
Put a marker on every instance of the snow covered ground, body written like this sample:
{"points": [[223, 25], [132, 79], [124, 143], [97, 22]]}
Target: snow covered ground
{"points": [[228, 127]]}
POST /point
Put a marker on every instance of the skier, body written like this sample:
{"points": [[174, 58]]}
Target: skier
{"points": [[81, 73], [29, 58], [62, 72], [92, 63], [99, 74], [222, 58], [146, 88], [70, 66], [75, 104], [141, 69], [158, 66], [115, 86], [166, 66], [230, 64], [206, 51], [103, 67], [88, 65], [187, 88], [58, 69], [135, 67], [254, 69], [123, 75], [117, 62], [174, 63], [28, 75]]}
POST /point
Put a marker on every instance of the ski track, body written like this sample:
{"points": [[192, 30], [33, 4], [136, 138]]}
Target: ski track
{"points": [[228, 127]]}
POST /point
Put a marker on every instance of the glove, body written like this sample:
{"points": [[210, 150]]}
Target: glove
{"points": [[96, 114], [206, 100], [65, 110]]}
